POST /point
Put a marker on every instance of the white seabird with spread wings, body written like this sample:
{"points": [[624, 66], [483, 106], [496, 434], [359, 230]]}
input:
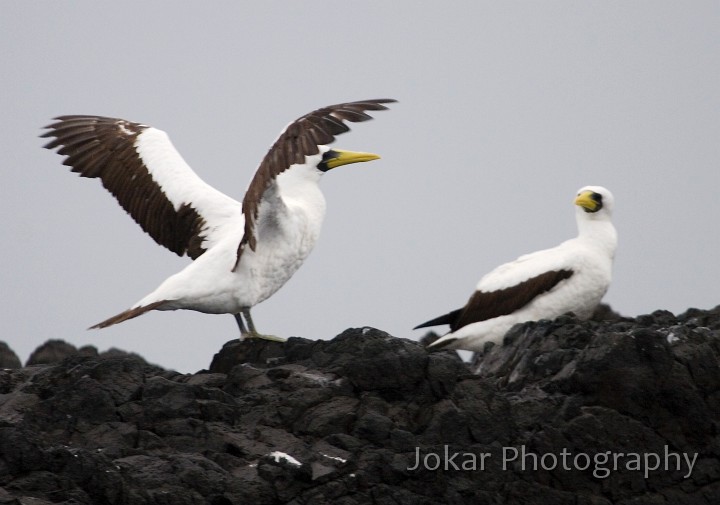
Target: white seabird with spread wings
{"points": [[242, 252]]}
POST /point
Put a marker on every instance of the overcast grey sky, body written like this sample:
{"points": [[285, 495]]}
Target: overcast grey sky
{"points": [[505, 109]]}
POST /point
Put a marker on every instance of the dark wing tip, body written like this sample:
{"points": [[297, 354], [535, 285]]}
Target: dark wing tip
{"points": [[71, 122], [448, 318], [377, 102], [322, 125], [424, 325], [355, 110]]}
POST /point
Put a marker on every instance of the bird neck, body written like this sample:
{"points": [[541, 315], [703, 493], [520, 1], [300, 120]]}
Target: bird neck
{"points": [[298, 187], [599, 231]]}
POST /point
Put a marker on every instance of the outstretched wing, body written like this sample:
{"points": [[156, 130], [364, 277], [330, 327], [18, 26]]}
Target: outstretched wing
{"points": [[300, 138], [139, 165]]}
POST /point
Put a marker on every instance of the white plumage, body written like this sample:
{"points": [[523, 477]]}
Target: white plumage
{"points": [[243, 252], [291, 216], [572, 277]]}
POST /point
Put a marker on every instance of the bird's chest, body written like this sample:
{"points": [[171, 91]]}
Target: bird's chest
{"points": [[586, 287], [282, 248], [284, 252]]}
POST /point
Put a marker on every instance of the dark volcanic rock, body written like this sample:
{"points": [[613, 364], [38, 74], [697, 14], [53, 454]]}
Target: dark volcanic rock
{"points": [[54, 351], [342, 421], [8, 358]]}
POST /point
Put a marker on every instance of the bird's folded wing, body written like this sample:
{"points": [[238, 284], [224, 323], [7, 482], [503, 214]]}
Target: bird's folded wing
{"points": [[484, 305], [139, 165]]}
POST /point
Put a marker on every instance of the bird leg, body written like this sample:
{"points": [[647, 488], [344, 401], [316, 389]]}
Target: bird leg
{"points": [[241, 325], [248, 318], [250, 331]]}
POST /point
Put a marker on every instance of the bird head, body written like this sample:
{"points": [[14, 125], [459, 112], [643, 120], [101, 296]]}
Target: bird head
{"points": [[594, 205], [594, 201]]}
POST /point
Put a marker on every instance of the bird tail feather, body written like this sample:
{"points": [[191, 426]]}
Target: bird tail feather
{"points": [[129, 314]]}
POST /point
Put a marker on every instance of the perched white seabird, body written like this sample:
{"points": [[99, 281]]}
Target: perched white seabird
{"points": [[572, 277], [242, 252]]}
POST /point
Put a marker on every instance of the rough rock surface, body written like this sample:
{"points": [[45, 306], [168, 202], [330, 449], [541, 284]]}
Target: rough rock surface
{"points": [[341, 421], [8, 358], [54, 351]]}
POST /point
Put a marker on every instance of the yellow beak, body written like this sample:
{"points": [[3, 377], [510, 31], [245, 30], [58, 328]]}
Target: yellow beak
{"points": [[586, 201], [347, 157]]}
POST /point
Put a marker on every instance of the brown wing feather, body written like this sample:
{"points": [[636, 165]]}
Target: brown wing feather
{"points": [[483, 306], [104, 148], [300, 139], [486, 305]]}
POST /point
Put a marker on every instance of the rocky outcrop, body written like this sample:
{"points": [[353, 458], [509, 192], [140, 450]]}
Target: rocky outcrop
{"points": [[565, 412], [8, 358], [54, 351]]}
